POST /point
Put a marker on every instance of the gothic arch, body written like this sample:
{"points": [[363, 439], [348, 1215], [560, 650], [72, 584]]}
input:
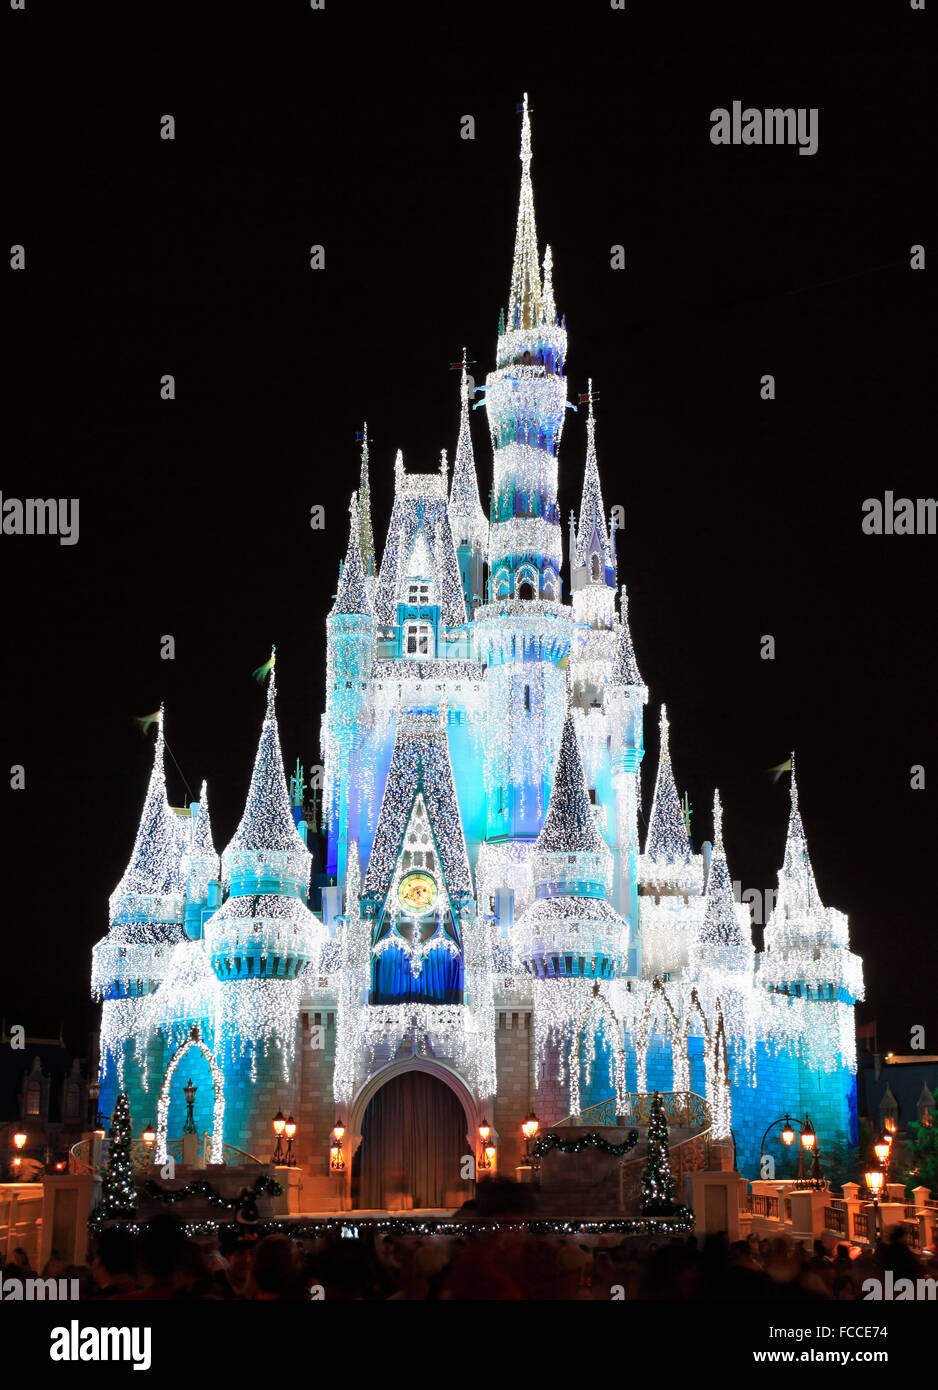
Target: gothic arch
{"points": [[597, 1004], [678, 1037], [218, 1114], [472, 1109]]}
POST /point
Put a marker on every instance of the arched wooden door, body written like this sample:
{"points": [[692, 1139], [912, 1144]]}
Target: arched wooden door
{"points": [[413, 1146]]}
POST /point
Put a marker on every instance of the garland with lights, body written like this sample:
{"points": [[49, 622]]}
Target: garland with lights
{"points": [[585, 1141], [200, 1188]]}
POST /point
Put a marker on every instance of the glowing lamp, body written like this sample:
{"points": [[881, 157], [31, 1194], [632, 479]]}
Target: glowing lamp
{"points": [[149, 1136], [279, 1123], [808, 1136], [881, 1147], [485, 1129], [874, 1181], [338, 1129], [289, 1127], [788, 1133], [19, 1138]]}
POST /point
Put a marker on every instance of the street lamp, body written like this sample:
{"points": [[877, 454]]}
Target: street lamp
{"points": [[278, 1122], [149, 1136], [336, 1152], [289, 1130], [94, 1091], [488, 1148], [875, 1178], [189, 1093], [529, 1128], [810, 1145]]}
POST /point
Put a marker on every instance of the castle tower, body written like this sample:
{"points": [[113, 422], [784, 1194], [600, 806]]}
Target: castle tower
{"points": [[571, 937], [467, 520], [350, 646], [593, 584], [623, 700], [200, 869], [261, 941], [146, 913], [525, 401], [670, 875], [366, 540], [722, 951]]}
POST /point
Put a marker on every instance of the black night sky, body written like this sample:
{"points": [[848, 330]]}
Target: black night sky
{"points": [[342, 128]]}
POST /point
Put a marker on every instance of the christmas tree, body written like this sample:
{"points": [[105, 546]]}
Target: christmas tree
{"points": [[657, 1181], [119, 1192], [923, 1156]]}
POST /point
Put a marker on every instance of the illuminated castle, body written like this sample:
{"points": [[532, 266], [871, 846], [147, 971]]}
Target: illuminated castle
{"points": [[492, 923]]}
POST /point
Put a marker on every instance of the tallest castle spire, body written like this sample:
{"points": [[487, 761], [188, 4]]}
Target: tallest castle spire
{"points": [[524, 303]]}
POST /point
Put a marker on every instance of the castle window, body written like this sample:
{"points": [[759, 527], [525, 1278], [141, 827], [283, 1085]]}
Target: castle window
{"points": [[72, 1105], [526, 590], [594, 569], [592, 796], [417, 639], [527, 698], [418, 593], [32, 1098]]}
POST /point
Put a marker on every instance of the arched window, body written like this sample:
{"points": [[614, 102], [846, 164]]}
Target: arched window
{"points": [[594, 569], [33, 1094], [72, 1106], [526, 590]]}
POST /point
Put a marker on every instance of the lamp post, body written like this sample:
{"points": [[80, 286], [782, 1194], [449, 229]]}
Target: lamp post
{"points": [[289, 1130], [874, 1182], [488, 1148], [279, 1123], [19, 1143], [336, 1152], [529, 1129], [189, 1093], [808, 1145], [94, 1092]]}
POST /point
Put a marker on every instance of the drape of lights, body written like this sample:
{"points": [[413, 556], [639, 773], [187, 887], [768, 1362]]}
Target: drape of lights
{"points": [[366, 541], [525, 708], [352, 595]]}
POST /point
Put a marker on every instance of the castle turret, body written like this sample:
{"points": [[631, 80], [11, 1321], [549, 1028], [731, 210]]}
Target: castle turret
{"points": [[623, 700], [723, 946], [526, 399], [264, 936], [468, 522], [200, 869], [350, 648], [807, 947], [571, 929]]}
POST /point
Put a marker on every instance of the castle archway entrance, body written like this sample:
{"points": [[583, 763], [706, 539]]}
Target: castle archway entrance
{"points": [[415, 1124]]}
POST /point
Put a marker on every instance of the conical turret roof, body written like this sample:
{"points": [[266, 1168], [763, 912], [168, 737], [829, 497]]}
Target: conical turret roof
{"points": [[667, 831], [570, 824], [352, 595], [267, 843], [151, 886]]}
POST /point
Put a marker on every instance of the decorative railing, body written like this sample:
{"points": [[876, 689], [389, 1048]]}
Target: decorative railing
{"points": [[861, 1225], [765, 1206], [141, 1154], [913, 1232], [682, 1108], [835, 1219]]}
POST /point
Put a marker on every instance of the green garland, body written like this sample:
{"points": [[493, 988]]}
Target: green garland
{"points": [[201, 1188], [586, 1141], [680, 1222]]}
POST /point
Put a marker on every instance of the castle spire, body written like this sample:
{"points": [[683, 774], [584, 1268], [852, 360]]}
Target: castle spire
{"points": [[366, 539], [352, 595], [524, 301], [593, 535], [625, 666], [267, 845], [570, 824], [548, 307], [200, 861], [154, 868], [721, 924], [667, 830], [800, 885], [466, 516]]}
